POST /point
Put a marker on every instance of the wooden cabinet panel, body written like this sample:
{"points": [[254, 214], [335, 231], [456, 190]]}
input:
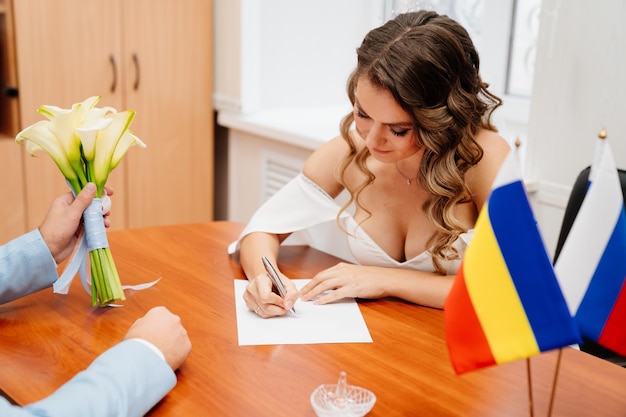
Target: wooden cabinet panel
{"points": [[152, 57], [8, 77], [12, 207], [172, 179]]}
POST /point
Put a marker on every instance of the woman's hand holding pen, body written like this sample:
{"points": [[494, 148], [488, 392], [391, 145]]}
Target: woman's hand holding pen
{"points": [[261, 299]]}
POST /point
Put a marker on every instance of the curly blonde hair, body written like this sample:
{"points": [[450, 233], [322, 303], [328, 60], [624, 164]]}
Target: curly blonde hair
{"points": [[429, 64]]}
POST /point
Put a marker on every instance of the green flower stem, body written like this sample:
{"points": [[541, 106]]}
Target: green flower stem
{"points": [[94, 293], [105, 282], [91, 177], [106, 286], [76, 185], [97, 279], [114, 278]]}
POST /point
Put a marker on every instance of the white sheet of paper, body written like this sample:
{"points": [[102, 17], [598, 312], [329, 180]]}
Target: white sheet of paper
{"points": [[338, 322]]}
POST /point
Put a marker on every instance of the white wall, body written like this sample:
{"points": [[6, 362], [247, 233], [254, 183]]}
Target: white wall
{"points": [[579, 88], [260, 45], [227, 54]]}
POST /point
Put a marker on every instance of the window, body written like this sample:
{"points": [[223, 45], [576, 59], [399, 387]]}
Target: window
{"points": [[515, 21], [505, 34]]}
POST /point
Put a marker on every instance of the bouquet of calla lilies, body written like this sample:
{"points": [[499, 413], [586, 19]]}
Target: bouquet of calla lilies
{"points": [[87, 143]]}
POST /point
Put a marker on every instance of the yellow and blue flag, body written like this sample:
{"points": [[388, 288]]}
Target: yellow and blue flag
{"points": [[505, 303]]}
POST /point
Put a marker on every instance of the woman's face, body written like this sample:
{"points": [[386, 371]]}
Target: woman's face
{"points": [[384, 126]]}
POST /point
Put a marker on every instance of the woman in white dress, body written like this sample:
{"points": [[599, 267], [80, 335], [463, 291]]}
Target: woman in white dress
{"points": [[417, 156]]}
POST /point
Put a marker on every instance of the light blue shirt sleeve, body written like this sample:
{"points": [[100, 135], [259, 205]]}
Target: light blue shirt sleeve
{"points": [[126, 380], [26, 266]]}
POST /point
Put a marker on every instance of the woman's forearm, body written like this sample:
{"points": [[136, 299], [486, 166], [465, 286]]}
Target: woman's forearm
{"points": [[253, 247], [423, 288]]}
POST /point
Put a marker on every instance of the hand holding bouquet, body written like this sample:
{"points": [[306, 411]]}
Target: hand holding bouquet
{"points": [[87, 143]]}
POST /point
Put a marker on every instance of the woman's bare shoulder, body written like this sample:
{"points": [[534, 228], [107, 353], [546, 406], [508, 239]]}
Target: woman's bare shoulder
{"points": [[480, 177], [492, 140], [495, 148], [322, 165]]}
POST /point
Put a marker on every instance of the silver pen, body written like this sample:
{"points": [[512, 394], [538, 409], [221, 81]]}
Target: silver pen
{"points": [[276, 280]]}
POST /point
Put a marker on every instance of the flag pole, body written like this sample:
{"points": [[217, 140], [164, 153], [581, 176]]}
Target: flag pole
{"points": [[556, 376], [530, 387], [602, 135], [518, 143]]}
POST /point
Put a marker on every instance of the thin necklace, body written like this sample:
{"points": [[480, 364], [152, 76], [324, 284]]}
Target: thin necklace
{"points": [[408, 180]]}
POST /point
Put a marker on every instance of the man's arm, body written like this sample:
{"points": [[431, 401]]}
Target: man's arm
{"points": [[126, 380], [26, 266]]}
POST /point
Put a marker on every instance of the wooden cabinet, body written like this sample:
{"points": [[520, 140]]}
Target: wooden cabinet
{"points": [[152, 57], [170, 86], [12, 203], [8, 77]]}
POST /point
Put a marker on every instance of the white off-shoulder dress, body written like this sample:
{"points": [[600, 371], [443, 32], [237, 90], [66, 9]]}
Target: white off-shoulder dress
{"points": [[306, 211]]}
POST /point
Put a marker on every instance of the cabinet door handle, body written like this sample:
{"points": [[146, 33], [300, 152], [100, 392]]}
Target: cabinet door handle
{"points": [[114, 67], [10, 91], [137, 71]]}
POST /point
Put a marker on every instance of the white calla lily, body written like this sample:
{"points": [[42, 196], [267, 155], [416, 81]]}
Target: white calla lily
{"points": [[94, 120], [106, 142], [40, 137], [52, 111], [88, 134], [127, 141], [63, 123]]}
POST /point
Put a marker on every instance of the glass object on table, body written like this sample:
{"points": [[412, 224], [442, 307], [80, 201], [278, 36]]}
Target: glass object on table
{"points": [[342, 400]]}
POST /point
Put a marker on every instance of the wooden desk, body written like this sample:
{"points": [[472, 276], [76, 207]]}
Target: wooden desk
{"points": [[47, 338]]}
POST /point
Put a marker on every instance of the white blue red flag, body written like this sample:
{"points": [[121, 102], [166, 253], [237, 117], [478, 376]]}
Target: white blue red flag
{"points": [[591, 266]]}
